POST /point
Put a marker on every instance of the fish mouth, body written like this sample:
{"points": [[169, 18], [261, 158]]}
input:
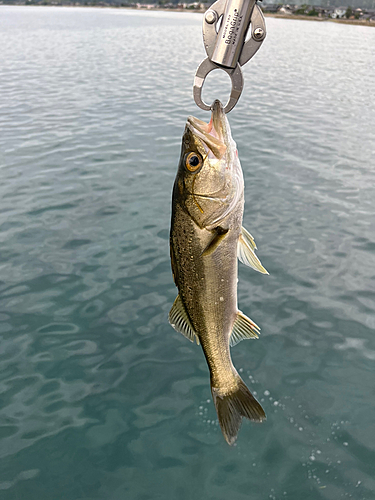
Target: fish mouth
{"points": [[214, 134]]}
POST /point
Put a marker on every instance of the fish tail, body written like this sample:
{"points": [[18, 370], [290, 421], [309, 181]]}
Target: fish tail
{"points": [[232, 407]]}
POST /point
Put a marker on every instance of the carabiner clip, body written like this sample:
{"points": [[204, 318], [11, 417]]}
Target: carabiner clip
{"points": [[226, 47]]}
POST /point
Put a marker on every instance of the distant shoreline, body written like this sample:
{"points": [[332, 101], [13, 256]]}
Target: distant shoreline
{"points": [[355, 22]]}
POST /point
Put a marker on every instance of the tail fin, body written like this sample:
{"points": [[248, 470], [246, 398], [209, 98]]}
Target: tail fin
{"points": [[232, 407]]}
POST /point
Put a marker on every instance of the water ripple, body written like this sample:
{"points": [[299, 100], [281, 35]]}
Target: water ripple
{"points": [[99, 396]]}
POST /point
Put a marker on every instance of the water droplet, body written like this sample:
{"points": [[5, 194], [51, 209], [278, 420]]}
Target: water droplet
{"points": [[266, 393]]}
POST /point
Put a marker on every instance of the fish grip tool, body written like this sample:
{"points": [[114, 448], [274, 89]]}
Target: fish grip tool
{"points": [[225, 27]]}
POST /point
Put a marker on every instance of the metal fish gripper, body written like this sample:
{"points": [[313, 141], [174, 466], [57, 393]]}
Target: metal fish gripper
{"points": [[225, 27]]}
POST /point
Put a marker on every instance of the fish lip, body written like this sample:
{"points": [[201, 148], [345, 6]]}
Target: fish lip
{"points": [[216, 127], [218, 119], [214, 134]]}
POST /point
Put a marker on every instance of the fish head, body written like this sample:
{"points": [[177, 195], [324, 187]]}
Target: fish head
{"points": [[209, 178]]}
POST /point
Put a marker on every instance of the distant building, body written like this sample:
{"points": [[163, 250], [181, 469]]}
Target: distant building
{"points": [[271, 7], [339, 12], [369, 14], [194, 6], [286, 9]]}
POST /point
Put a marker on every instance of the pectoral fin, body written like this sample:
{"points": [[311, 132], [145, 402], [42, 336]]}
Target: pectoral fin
{"points": [[245, 252], [179, 320], [243, 328], [218, 235]]}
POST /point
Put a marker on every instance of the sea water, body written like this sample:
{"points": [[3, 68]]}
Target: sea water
{"points": [[100, 399]]}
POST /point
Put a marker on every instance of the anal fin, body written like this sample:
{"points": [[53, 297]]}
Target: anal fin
{"points": [[179, 320], [246, 252], [243, 328]]}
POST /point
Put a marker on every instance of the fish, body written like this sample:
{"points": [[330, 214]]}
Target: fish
{"points": [[206, 240]]}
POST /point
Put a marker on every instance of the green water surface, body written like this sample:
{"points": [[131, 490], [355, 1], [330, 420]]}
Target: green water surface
{"points": [[100, 399]]}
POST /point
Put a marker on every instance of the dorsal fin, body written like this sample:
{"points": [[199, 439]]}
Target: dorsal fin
{"points": [[179, 320], [243, 328], [245, 252]]}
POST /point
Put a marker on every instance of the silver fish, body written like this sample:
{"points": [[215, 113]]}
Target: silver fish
{"points": [[206, 238]]}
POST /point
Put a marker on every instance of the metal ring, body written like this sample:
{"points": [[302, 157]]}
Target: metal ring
{"points": [[205, 67]]}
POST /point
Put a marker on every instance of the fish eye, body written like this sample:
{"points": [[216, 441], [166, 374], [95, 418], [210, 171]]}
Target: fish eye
{"points": [[193, 161]]}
